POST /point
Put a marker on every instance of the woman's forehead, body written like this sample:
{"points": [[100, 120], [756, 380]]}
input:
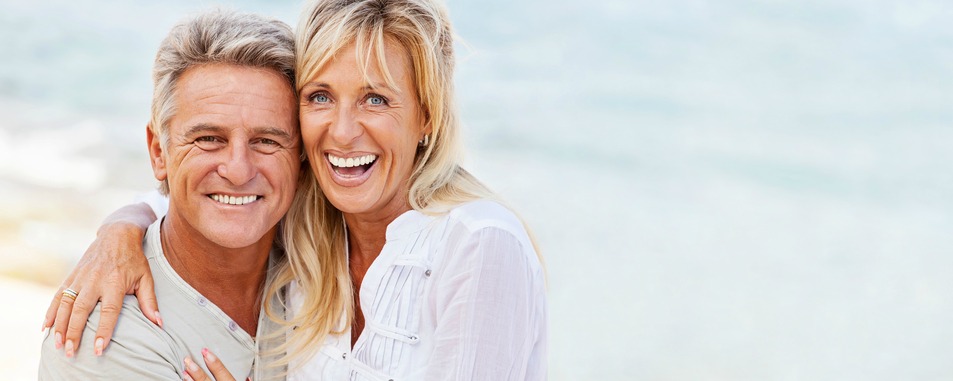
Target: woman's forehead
{"points": [[385, 63]]}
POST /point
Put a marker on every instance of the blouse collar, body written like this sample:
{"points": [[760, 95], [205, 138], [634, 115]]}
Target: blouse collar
{"points": [[405, 224]]}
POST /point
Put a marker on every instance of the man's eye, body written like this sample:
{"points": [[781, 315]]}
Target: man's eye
{"points": [[266, 142], [209, 142], [265, 145]]}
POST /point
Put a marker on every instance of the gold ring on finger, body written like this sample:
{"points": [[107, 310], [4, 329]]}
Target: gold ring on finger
{"points": [[70, 293]]}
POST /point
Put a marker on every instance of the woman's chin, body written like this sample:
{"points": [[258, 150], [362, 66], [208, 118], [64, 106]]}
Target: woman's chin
{"points": [[350, 200]]}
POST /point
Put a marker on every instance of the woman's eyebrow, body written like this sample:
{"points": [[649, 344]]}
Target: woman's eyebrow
{"points": [[320, 85], [378, 86]]}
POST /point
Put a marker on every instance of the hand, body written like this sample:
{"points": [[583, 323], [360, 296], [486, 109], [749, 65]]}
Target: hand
{"points": [[219, 373], [113, 266]]}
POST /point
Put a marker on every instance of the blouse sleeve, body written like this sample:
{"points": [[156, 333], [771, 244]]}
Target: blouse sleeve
{"points": [[491, 312], [156, 201]]}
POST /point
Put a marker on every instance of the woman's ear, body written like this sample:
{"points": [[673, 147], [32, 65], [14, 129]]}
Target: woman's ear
{"points": [[156, 155], [427, 130]]}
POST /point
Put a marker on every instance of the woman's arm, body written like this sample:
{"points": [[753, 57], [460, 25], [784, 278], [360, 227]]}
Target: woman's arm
{"points": [[491, 311], [114, 265]]}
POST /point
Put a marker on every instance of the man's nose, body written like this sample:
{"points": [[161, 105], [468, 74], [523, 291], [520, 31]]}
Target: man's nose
{"points": [[237, 167]]}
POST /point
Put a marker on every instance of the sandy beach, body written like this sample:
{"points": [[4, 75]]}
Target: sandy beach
{"points": [[25, 303], [43, 231]]}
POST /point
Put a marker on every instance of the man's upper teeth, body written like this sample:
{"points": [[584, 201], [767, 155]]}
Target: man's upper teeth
{"points": [[351, 161], [240, 200]]}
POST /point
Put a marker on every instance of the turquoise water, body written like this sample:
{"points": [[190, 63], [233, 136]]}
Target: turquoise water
{"points": [[738, 190]]}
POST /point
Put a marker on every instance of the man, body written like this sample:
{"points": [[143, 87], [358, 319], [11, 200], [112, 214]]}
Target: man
{"points": [[224, 141]]}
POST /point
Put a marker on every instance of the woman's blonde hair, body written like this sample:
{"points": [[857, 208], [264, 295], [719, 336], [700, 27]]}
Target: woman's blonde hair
{"points": [[314, 233]]}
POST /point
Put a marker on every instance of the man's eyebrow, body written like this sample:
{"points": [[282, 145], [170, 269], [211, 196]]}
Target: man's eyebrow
{"points": [[273, 131], [203, 127]]}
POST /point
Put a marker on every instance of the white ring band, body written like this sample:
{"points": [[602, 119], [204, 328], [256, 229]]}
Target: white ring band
{"points": [[70, 293]]}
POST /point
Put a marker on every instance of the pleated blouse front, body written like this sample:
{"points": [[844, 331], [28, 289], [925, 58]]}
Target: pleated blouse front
{"points": [[453, 297]]}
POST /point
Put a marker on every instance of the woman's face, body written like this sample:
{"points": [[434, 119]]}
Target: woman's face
{"points": [[360, 134]]}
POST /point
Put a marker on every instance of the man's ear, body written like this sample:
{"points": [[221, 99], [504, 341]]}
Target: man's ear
{"points": [[156, 157]]}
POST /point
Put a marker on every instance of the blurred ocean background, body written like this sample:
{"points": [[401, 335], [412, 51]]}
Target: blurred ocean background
{"points": [[731, 190]]}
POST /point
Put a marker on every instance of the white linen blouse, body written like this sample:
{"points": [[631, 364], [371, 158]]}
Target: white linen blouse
{"points": [[459, 296]]}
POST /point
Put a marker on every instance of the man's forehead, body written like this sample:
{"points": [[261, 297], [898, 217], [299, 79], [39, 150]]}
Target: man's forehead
{"points": [[218, 79], [222, 96]]}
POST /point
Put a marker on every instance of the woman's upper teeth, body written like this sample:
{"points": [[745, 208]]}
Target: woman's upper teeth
{"points": [[351, 161]]}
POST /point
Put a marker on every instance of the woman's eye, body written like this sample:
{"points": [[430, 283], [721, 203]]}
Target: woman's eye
{"points": [[320, 98], [376, 100]]}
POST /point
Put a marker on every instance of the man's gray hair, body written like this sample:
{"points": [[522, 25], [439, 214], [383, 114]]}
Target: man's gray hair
{"points": [[216, 36]]}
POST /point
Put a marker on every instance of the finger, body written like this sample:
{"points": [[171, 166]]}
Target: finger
{"points": [[82, 307], [146, 293], [109, 309], [62, 319], [216, 367], [55, 304], [193, 371], [51, 310]]}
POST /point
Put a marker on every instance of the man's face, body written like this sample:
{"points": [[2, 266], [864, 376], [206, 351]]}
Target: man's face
{"points": [[232, 160]]}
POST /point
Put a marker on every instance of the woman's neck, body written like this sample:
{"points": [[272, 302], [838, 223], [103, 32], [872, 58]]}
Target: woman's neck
{"points": [[367, 232]]}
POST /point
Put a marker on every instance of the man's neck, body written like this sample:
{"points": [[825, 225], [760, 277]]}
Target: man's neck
{"points": [[230, 278]]}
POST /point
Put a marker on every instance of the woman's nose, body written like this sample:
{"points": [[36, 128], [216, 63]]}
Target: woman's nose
{"points": [[345, 128]]}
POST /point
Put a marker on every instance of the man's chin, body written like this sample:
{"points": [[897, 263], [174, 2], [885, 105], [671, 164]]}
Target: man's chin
{"points": [[236, 237]]}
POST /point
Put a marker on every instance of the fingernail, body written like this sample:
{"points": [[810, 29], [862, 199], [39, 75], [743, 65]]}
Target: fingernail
{"points": [[99, 346], [191, 365], [59, 341], [69, 348], [159, 319], [208, 355]]}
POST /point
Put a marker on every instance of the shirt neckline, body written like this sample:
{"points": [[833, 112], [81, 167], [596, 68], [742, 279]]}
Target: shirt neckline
{"points": [[155, 240], [406, 223]]}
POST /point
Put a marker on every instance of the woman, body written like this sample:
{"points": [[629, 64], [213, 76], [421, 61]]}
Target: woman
{"points": [[400, 264]]}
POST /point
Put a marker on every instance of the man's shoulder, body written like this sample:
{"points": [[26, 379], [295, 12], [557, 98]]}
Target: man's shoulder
{"points": [[138, 350]]}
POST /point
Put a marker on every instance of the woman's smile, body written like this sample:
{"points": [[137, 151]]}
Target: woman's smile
{"points": [[351, 166], [350, 170]]}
